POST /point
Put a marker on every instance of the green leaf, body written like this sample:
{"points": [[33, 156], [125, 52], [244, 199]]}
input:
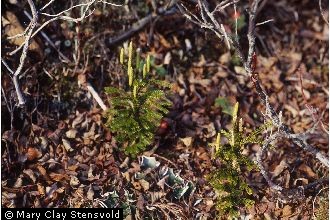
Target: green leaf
{"points": [[113, 90], [161, 71], [225, 105]]}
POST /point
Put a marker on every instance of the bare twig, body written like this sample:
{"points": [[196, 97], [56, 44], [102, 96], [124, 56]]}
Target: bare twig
{"points": [[96, 96], [8, 68], [21, 100], [322, 12], [46, 5], [9, 105], [260, 164], [88, 5], [264, 22], [236, 17], [10, 110], [208, 20], [140, 24], [251, 33], [44, 35]]}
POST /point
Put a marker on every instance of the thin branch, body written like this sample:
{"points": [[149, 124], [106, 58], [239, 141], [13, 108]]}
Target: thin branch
{"points": [[88, 4], [69, 9], [44, 35], [96, 96], [110, 3], [139, 25], [251, 32], [236, 23], [21, 34], [322, 12], [46, 5], [6, 101], [214, 25], [221, 6], [260, 164], [21, 100], [264, 22], [135, 28], [6, 65]]}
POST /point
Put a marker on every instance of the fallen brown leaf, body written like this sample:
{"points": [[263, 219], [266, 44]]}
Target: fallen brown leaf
{"points": [[33, 153]]}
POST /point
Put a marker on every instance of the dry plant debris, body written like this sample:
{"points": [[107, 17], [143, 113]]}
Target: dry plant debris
{"points": [[57, 152]]}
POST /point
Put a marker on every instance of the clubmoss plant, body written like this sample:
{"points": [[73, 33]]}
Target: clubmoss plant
{"points": [[135, 112], [228, 181]]}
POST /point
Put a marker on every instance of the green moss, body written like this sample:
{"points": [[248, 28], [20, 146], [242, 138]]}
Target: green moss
{"points": [[322, 212], [228, 181], [135, 113]]}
